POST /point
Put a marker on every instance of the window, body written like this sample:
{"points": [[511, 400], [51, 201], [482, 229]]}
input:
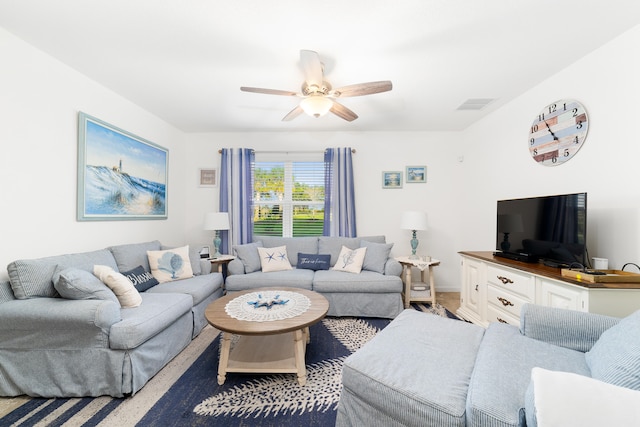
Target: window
{"points": [[288, 196]]}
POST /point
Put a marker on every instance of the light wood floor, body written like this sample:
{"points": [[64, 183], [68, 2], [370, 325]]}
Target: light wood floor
{"points": [[450, 300]]}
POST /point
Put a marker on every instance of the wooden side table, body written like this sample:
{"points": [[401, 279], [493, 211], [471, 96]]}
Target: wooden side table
{"points": [[220, 261], [410, 291]]}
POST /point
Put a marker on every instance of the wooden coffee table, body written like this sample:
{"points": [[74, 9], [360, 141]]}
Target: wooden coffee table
{"points": [[274, 346]]}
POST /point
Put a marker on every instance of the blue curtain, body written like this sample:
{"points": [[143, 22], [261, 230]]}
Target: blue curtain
{"points": [[339, 197], [236, 196]]}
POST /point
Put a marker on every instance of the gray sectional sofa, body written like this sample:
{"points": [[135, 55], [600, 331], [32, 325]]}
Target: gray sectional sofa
{"points": [[373, 292], [87, 344], [561, 366]]}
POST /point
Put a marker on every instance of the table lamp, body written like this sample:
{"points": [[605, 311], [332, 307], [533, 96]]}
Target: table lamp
{"points": [[414, 221], [216, 221]]}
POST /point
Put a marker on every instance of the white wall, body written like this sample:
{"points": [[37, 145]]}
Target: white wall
{"points": [[498, 164], [39, 102], [378, 210], [38, 134]]}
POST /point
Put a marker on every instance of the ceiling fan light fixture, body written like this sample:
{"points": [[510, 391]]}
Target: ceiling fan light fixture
{"points": [[316, 105]]}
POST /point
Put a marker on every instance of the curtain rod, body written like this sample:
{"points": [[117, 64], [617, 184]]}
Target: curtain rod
{"points": [[353, 150]]}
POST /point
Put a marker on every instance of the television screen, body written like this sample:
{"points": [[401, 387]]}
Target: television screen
{"points": [[550, 228]]}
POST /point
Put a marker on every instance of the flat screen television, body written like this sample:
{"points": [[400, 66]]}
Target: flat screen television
{"points": [[552, 229]]}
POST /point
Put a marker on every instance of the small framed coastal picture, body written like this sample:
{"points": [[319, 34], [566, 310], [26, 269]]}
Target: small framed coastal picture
{"points": [[416, 174], [391, 179], [208, 177]]}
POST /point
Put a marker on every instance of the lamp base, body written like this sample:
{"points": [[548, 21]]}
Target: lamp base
{"points": [[216, 244], [414, 246]]}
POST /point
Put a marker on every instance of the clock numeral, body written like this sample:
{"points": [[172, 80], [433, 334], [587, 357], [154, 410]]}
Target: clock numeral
{"points": [[554, 159], [552, 108], [566, 152], [564, 106], [532, 140], [576, 139], [535, 151], [575, 112], [534, 128], [540, 117], [579, 125]]}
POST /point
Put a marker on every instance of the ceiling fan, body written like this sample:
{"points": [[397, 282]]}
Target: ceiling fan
{"points": [[319, 97]]}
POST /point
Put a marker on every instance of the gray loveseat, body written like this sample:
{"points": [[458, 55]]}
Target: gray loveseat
{"points": [[374, 292], [90, 346], [452, 373]]}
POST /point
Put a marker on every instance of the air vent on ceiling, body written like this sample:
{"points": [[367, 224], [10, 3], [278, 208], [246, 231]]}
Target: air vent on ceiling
{"points": [[475, 103]]}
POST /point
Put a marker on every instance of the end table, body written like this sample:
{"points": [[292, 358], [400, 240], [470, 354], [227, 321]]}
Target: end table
{"points": [[418, 291], [220, 261]]}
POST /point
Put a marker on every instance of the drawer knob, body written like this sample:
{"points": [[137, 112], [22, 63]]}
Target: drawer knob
{"points": [[504, 280], [501, 320], [505, 301]]}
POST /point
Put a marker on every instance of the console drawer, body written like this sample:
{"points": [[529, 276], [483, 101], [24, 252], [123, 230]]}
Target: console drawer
{"points": [[513, 281], [496, 315], [505, 301]]}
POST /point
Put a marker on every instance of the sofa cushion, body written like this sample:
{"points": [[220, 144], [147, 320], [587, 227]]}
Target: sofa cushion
{"points": [[274, 259], [73, 283], [615, 357], [416, 370], [119, 284], [6, 293], [296, 278], [141, 279], [194, 258], [333, 245], [503, 370], [314, 261], [364, 282], [154, 315], [248, 254], [376, 256], [131, 255], [32, 278], [170, 264], [199, 287], [350, 260]]}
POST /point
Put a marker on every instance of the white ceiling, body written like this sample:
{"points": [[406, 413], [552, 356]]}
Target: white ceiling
{"points": [[185, 60]]}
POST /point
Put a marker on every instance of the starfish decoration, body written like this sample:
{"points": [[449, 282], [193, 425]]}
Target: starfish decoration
{"points": [[282, 256], [267, 302], [269, 257]]}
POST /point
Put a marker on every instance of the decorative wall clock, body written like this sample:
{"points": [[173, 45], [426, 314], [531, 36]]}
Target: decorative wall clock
{"points": [[558, 132]]}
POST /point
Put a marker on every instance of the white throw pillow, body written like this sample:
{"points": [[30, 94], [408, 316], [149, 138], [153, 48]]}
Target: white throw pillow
{"points": [[126, 293], [350, 260], [171, 264], [274, 259], [568, 399]]}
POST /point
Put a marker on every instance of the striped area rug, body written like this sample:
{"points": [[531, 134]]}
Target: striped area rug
{"points": [[186, 392]]}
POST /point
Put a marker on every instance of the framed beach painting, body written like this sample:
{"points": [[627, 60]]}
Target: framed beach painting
{"points": [[392, 179], [120, 175], [416, 174]]}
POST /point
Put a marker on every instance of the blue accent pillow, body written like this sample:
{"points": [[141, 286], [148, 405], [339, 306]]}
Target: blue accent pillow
{"points": [[141, 279], [314, 261]]}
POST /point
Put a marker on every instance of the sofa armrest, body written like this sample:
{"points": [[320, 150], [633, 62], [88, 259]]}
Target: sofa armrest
{"points": [[55, 323], [571, 329], [235, 266], [392, 268]]}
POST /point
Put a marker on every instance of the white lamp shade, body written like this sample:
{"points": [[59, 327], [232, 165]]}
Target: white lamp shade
{"points": [[414, 220], [316, 105], [216, 221]]}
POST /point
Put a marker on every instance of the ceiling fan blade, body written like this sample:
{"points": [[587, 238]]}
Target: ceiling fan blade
{"points": [[363, 89], [343, 112], [293, 114], [312, 67], [268, 91]]}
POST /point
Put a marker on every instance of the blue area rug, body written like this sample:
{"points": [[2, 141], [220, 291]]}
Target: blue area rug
{"points": [[194, 398]]}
